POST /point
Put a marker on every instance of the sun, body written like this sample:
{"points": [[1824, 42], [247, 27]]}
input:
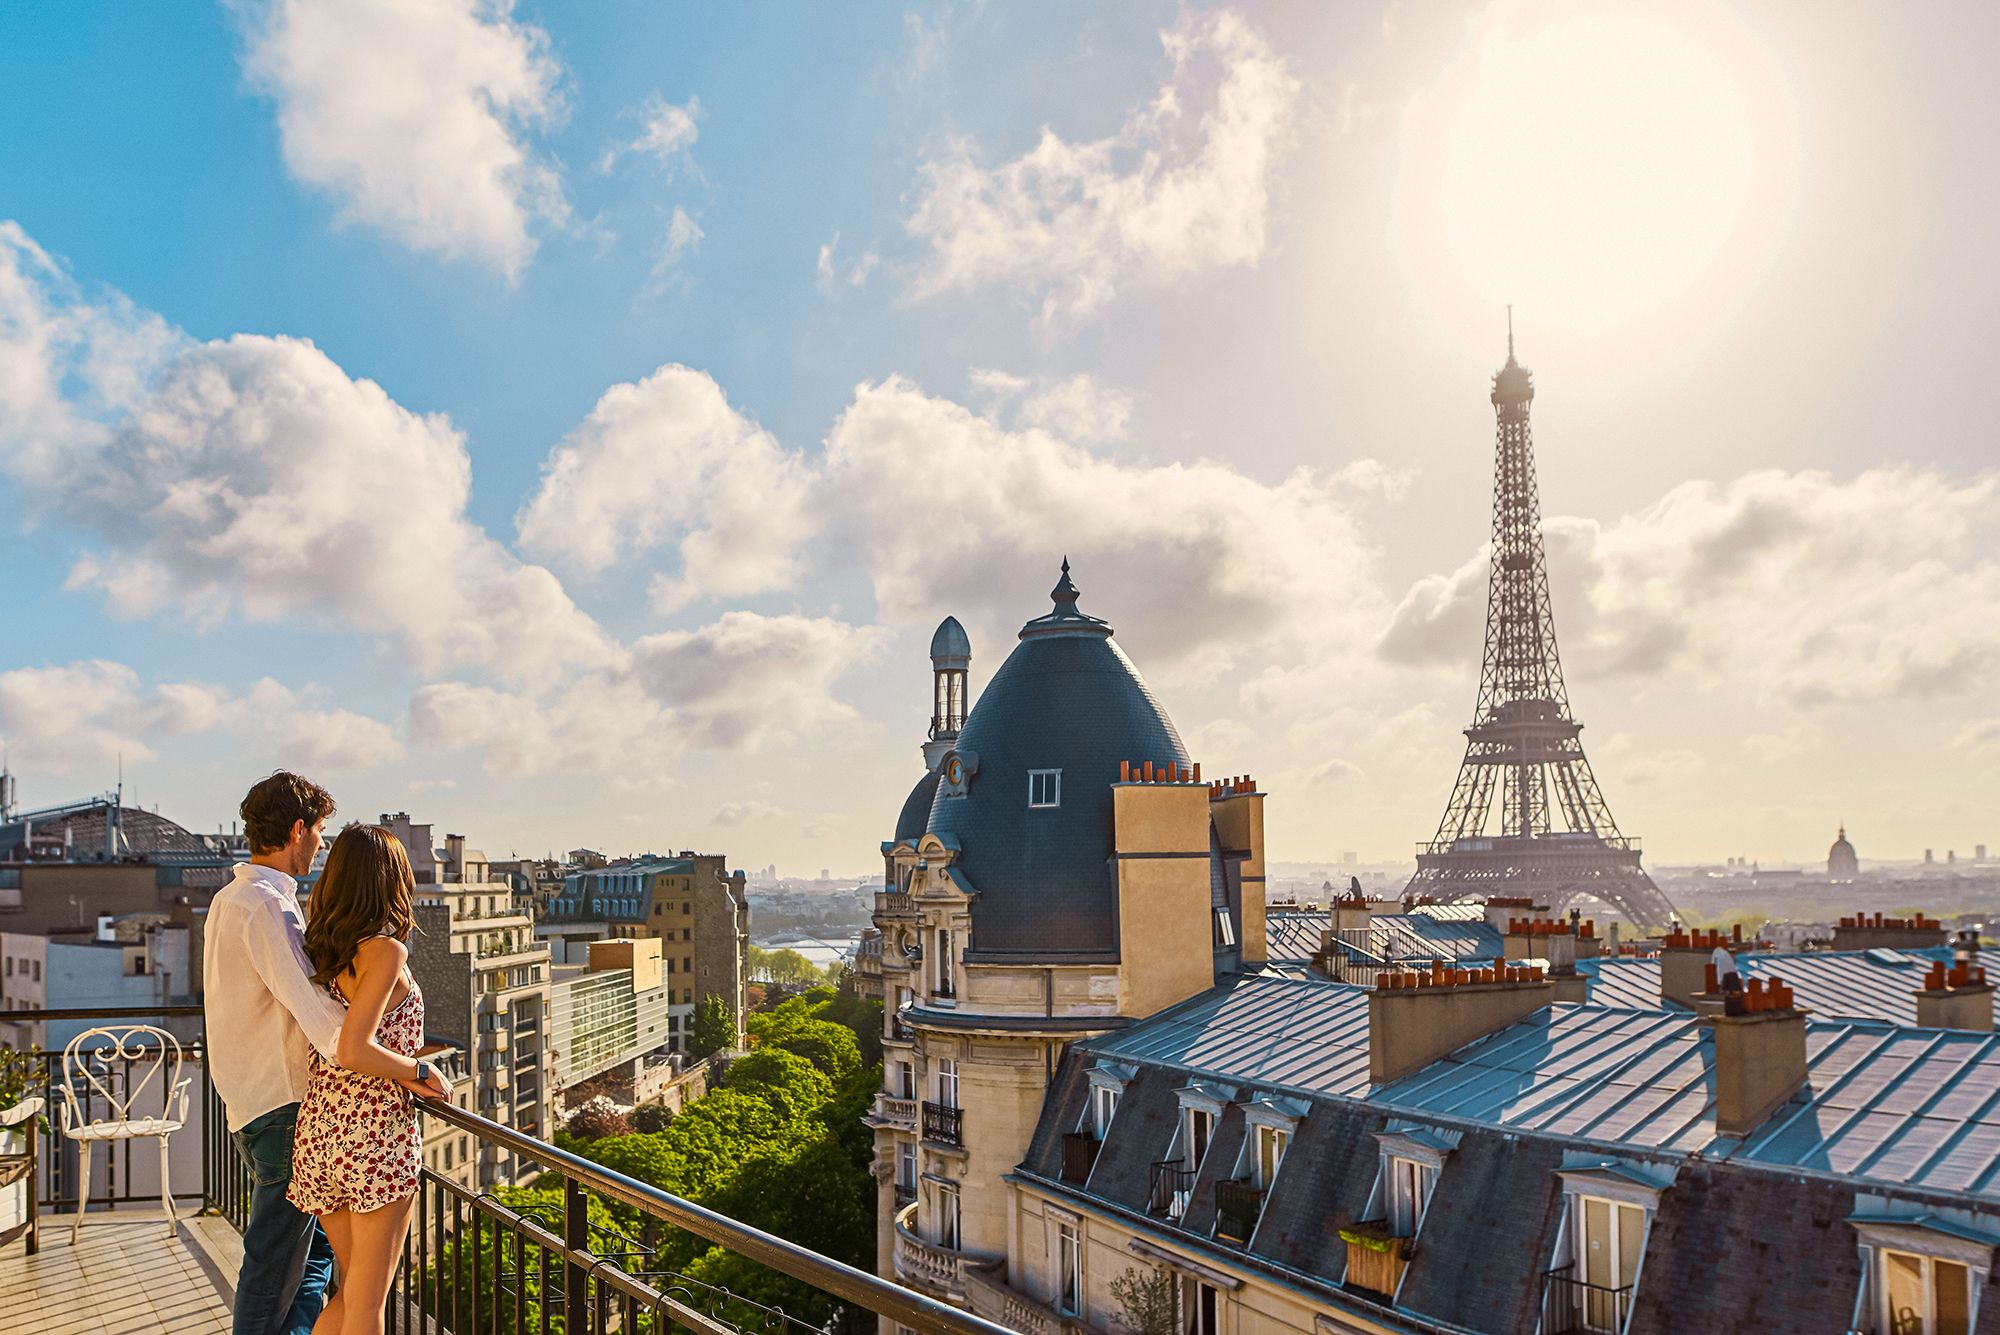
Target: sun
{"points": [[1596, 170]]}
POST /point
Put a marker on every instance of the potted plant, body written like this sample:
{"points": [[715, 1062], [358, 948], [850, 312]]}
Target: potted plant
{"points": [[21, 1117]]}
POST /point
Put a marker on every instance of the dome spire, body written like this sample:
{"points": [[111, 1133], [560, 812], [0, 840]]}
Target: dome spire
{"points": [[1064, 617], [1065, 593]]}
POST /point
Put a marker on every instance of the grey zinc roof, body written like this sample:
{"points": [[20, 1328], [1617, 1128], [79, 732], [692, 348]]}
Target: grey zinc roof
{"points": [[1833, 984], [1066, 699], [1888, 1106], [1293, 936]]}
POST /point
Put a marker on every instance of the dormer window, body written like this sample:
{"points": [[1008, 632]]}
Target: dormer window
{"points": [[1410, 1183], [1044, 788], [1197, 1125], [1609, 1207], [1103, 1106], [1923, 1275]]}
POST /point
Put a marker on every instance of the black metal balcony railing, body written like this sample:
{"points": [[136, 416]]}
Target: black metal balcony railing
{"points": [[944, 1123], [472, 1266], [1173, 1183], [944, 991], [1238, 1203], [1572, 1306], [1079, 1153]]}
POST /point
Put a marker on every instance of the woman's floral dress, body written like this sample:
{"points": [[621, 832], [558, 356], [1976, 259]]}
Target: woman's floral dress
{"points": [[357, 1146]]}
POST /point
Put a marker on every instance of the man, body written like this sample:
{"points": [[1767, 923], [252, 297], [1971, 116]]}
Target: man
{"points": [[264, 1015]]}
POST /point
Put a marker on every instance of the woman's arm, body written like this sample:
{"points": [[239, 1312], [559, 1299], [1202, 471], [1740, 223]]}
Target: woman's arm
{"points": [[378, 963]]}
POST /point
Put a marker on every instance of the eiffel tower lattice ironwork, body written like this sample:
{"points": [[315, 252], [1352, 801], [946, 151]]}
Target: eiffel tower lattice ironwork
{"points": [[1523, 744]]}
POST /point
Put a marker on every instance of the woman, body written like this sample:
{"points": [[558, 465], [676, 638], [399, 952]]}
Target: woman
{"points": [[357, 1152]]}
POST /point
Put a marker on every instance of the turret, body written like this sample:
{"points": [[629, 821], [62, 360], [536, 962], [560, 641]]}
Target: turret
{"points": [[951, 659]]}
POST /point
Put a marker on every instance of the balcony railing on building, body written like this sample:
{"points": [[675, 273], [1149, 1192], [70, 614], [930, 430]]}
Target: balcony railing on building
{"points": [[1079, 1153], [1574, 1305], [1238, 1203], [471, 1265], [892, 1111], [1172, 1185], [943, 1123]]}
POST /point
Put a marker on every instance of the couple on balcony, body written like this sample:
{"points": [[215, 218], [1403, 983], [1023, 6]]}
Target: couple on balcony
{"points": [[316, 1046]]}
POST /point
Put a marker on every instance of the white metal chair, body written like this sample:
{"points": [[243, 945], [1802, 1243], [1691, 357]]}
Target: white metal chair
{"points": [[94, 1061]]}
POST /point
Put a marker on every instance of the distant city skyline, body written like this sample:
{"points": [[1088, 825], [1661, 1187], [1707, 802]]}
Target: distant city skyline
{"points": [[577, 445]]}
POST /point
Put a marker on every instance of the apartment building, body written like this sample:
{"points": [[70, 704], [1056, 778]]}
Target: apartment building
{"points": [[486, 983], [690, 903], [609, 1023]]}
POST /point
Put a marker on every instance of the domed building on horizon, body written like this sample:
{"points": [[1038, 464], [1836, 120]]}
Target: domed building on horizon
{"points": [[1842, 864]]}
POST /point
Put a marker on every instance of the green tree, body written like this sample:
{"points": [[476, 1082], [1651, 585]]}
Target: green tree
{"points": [[792, 1085], [1146, 1300], [714, 1027], [651, 1117]]}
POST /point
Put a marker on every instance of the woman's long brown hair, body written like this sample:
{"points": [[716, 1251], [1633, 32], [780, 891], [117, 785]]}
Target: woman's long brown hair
{"points": [[364, 891]]}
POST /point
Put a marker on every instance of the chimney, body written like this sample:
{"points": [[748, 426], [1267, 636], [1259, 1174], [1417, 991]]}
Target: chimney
{"points": [[1416, 1018], [1501, 911], [454, 856], [1760, 1057], [1958, 997], [1864, 931], [1684, 959]]}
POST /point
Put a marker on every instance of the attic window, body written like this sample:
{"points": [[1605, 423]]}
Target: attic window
{"points": [[1044, 788], [1923, 1275]]}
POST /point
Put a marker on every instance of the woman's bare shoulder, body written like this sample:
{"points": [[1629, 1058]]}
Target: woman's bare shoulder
{"points": [[384, 952]]}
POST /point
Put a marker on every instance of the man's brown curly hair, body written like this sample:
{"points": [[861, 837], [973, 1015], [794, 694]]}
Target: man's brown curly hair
{"points": [[274, 805]]}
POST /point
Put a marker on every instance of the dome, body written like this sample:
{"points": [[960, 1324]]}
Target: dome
{"points": [[1066, 699], [916, 809], [949, 646], [1842, 863]]}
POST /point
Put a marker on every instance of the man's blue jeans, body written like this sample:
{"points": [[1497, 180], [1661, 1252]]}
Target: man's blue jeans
{"points": [[287, 1261]]}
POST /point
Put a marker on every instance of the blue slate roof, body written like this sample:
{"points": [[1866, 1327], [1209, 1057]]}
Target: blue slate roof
{"points": [[1066, 699], [916, 809]]}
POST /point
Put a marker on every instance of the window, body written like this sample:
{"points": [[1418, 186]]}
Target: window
{"points": [[1069, 1270], [1410, 1183], [1198, 1303], [1610, 1240], [1271, 1143], [947, 1082], [906, 1078], [1044, 787], [944, 978], [1103, 1105], [1225, 929], [906, 1165], [1921, 1295], [1197, 1124], [947, 1225]]}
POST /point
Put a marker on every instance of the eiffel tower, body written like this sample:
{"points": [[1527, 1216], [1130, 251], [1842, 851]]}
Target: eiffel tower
{"points": [[1523, 740]]}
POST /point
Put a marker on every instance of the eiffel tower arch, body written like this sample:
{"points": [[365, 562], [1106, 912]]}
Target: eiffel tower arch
{"points": [[1526, 816]]}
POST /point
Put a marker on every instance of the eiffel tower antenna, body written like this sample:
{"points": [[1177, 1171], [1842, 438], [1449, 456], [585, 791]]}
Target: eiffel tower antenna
{"points": [[1523, 741]]}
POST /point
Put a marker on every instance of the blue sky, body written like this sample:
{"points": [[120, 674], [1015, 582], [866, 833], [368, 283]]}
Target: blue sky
{"points": [[720, 353]]}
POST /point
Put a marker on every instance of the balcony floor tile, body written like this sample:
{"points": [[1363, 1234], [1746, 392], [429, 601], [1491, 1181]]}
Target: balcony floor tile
{"points": [[123, 1275]]}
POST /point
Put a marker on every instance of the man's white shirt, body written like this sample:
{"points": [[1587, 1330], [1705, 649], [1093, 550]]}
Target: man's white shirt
{"points": [[264, 1012]]}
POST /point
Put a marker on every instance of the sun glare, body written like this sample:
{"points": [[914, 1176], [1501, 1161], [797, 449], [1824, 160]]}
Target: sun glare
{"points": [[1594, 170]]}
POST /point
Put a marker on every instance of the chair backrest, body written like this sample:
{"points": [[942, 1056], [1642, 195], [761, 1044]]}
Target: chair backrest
{"points": [[118, 1064]]}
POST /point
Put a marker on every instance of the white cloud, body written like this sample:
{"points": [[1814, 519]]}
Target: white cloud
{"points": [[259, 478], [1172, 193], [668, 462], [682, 235], [253, 476], [743, 682], [414, 115], [1803, 587], [752, 681], [855, 274], [88, 716], [666, 133], [753, 812]]}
